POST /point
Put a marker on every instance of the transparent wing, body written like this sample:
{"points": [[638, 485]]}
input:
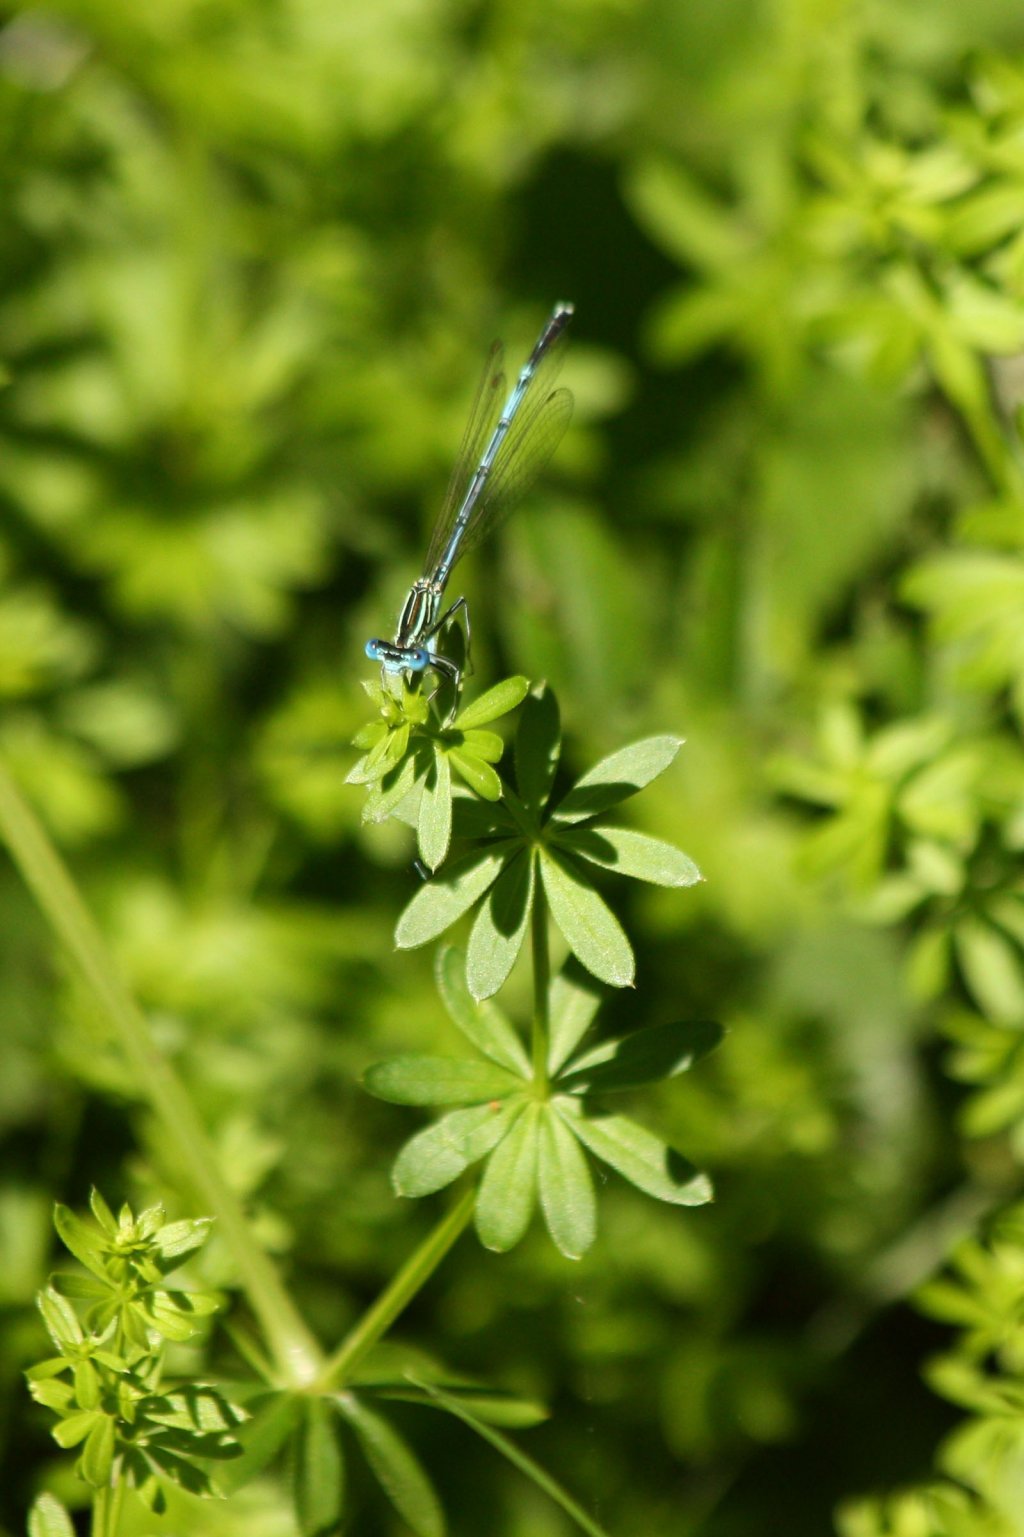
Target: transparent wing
{"points": [[531, 441], [538, 422], [483, 417]]}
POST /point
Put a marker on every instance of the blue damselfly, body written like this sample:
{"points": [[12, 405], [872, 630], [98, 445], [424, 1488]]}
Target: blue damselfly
{"points": [[506, 444]]}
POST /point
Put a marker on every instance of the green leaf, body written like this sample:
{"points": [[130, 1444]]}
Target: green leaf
{"points": [[175, 1240], [565, 1188], [518, 1459], [418, 1079], [87, 1246], [97, 1460], [574, 1001], [442, 901], [477, 773], [487, 745], [101, 1211], [48, 1518], [538, 748], [497, 701], [197, 1408], [383, 799], [499, 927], [634, 854], [957, 369], [617, 777], [439, 1154], [59, 1317], [646, 1056], [395, 1468], [176, 1315], [366, 737], [985, 218], [180, 1470], [481, 1023], [318, 1471], [591, 929], [87, 1385], [507, 1192], [991, 965], [435, 821], [58, 1396], [640, 1157]]}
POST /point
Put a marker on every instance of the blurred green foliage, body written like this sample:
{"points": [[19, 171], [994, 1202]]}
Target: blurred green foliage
{"points": [[252, 255]]}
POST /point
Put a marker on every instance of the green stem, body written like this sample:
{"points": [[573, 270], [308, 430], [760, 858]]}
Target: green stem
{"points": [[106, 1510], [295, 1351], [541, 1032], [397, 1295]]}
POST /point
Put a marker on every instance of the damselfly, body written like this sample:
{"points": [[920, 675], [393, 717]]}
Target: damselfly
{"points": [[506, 444]]}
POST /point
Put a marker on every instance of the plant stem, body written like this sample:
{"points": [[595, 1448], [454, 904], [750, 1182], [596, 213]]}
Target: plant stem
{"points": [[397, 1295], [106, 1510], [295, 1351], [541, 1031]]}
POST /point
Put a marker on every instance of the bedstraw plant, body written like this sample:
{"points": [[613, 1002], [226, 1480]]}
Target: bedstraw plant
{"points": [[523, 1117]]}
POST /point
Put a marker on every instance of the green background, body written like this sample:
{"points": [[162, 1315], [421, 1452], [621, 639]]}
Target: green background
{"points": [[253, 252]]}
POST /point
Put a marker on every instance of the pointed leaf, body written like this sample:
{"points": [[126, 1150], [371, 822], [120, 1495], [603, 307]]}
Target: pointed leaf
{"points": [[992, 969], [646, 1056], [487, 745], [175, 1240], [481, 1023], [425, 1080], [477, 773], [366, 737], [439, 1154], [176, 1313], [87, 1385], [49, 1518], [101, 1211], [617, 777], [58, 1396], [395, 1468], [74, 1429], [538, 748], [383, 798], [497, 701], [71, 1283], [590, 927], [575, 998], [435, 821], [499, 927], [642, 1158], [87, 1246], [442, 901], [633, 854], [507, 1192], [318, 1471], [59, 1317], [97, 1460], [565, 1187]]}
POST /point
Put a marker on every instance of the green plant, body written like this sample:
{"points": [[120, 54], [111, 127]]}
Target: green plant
{"points": [[892, 254], [107, 1383], [534, 1114]]}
